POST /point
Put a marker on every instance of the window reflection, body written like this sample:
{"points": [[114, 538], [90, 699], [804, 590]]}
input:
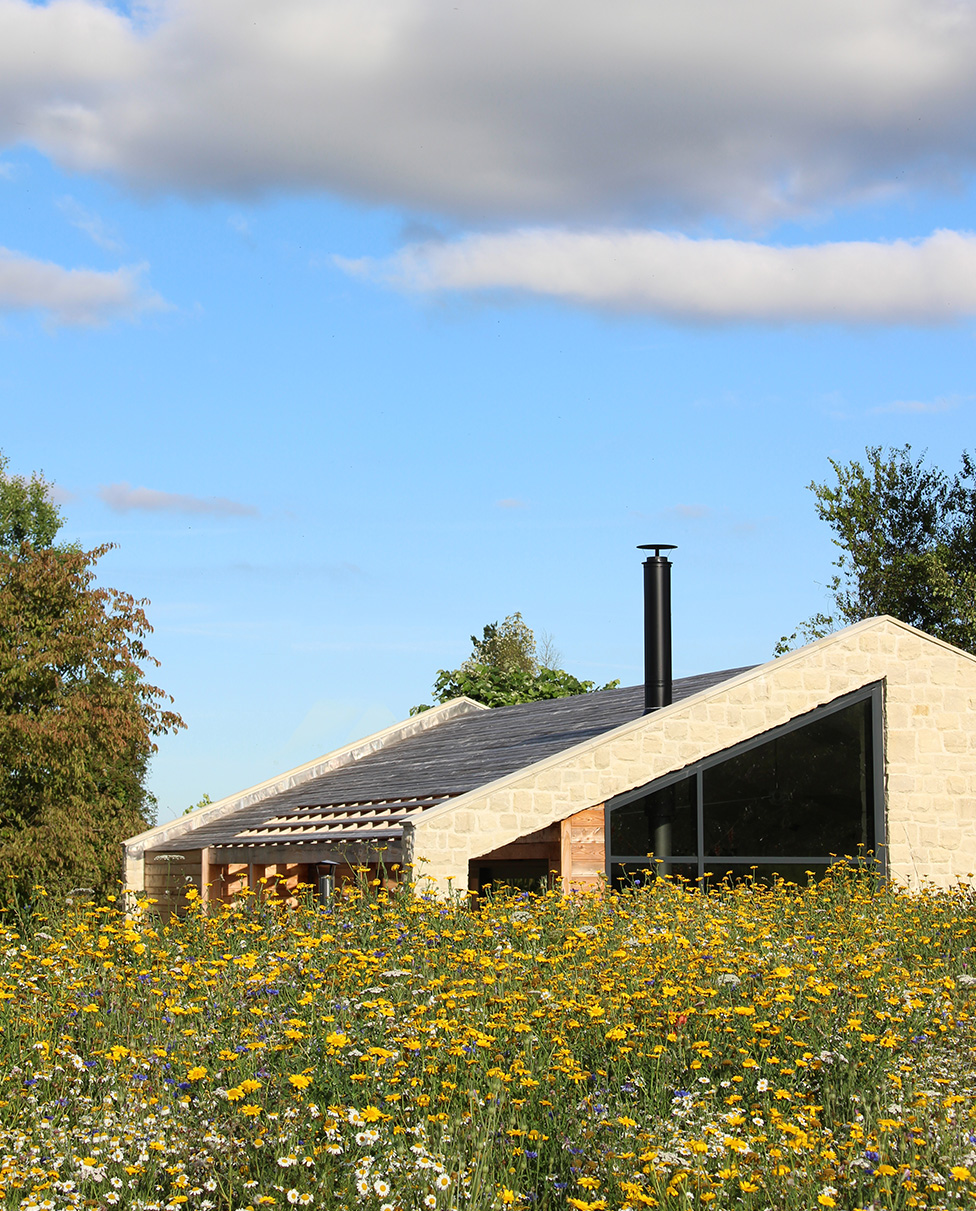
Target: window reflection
{"points": [[791, 803], [662, 823], [805, 793]]}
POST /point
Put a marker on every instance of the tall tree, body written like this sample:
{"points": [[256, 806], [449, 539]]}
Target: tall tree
{"points": [[77, 716], [27, 513], [907, 539], [505, 668]]}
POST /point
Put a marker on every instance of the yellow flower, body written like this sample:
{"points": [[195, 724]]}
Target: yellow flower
{"points": [[197, 1073], [300, 1081], [961, 1173], [506, 1197], [235, 1094], [250, 1085], [251, 1111], [886, 1170]]}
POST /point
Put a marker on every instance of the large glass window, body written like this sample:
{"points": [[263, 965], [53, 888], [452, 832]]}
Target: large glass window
{"points": [[663, 821], [798, 798]]}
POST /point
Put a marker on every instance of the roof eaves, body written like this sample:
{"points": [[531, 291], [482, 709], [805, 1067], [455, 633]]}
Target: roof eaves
{"points": [[338, 758]]}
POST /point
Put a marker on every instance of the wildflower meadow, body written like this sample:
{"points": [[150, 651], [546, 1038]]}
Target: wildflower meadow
{"points": [[752, 1047]]}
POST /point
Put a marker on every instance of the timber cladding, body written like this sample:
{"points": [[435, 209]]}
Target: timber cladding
{"points": [[583, 849], [169, 876]]}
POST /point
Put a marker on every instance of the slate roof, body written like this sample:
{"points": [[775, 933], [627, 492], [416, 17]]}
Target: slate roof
{"points": [[370, 799]]}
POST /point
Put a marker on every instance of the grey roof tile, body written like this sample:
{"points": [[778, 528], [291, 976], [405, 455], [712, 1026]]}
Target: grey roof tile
{"points": [[457, 756]]}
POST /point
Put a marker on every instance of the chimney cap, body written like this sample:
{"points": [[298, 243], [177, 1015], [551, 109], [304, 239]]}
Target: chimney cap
{"points": [[657, 547]]}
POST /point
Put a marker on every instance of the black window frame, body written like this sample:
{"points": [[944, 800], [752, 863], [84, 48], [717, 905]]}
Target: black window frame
{"points": [[874, 694]]}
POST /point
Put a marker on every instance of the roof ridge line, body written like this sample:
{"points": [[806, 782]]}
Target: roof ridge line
{"points": [[336, 759]]}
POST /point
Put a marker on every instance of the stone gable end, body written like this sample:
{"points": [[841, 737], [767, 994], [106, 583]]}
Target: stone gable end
{"points": [[930, 754]]}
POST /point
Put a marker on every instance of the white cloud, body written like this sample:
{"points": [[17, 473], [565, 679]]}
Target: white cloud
{"points": [[122, 498], [944, 403], [91, 224], [510, 502], [552, 110], [691, 512], [928, 281], [72, 296], [61, 495]]}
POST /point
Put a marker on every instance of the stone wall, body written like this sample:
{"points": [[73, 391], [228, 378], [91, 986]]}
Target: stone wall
{"points": [[930, 729]]}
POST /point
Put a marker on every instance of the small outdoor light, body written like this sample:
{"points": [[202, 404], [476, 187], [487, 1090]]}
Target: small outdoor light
{"points": [[326, 873]]}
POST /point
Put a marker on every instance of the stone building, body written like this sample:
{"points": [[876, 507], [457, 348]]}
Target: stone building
{"points": [[862, 742]]}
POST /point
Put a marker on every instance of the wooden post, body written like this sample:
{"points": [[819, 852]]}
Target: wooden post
{"points": [[583, 849], [204, 875], [566, 854]]}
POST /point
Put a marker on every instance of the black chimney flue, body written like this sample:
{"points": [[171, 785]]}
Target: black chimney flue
{"points": [[657, 626]]}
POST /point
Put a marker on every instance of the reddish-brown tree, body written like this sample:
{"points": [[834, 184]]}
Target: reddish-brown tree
{"points": [[77, 719]]}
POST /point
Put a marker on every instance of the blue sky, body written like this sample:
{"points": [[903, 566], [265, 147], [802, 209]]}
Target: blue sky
{"points": [[356, 327]]}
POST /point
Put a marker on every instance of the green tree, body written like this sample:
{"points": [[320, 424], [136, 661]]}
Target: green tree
{"points": [[508, 646], [505, 668], [27, 513], [204, 802], [907, 539], [77, 716]]}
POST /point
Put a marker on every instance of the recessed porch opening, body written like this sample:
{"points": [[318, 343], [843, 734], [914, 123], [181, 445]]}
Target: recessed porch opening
{"points": [[569, 854]]}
